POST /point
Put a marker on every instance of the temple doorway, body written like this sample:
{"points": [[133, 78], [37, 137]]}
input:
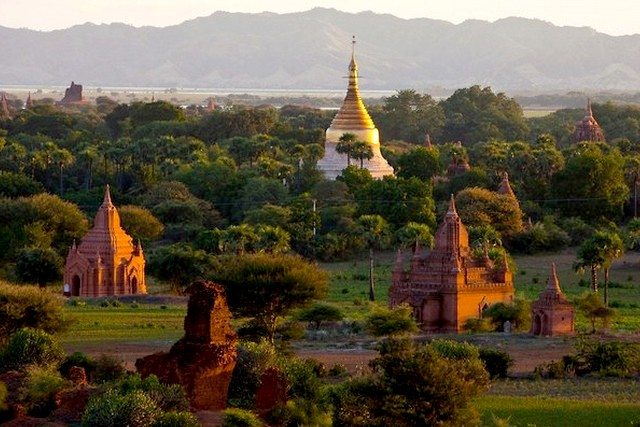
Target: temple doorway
{"points": [[75, 286], [134, 285], [537, 325]]}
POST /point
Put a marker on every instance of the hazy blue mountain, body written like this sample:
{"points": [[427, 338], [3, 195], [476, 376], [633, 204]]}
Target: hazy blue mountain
{"points": [[311, 50]]}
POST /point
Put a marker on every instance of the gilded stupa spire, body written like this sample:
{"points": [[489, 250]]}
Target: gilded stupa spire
{"points": [[353, 115]]}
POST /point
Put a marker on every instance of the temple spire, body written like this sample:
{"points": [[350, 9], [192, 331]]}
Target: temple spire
{"points": [[553, 284], [29, 103], [589, 110], [505, 187], [452, 212], [427, 141], [4, 106], [107, 196]]}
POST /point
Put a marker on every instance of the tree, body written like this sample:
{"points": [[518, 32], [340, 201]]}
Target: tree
{"points": [[361, 151], [266, 287], [414, 233], [319, 313], [421, 162], [30, 307], [345, 145], [476, 114], [592, 183], [18, 185], [390, 322], [593, 308], [375, 231], [599, 251], [37, 265], [179, 265], [140, 223], [414, 385], [481, 207], [409, 116]]}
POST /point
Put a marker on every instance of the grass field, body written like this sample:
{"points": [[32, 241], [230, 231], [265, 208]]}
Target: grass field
{"points": [[531, 113]]}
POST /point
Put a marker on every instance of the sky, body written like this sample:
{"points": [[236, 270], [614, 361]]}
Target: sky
{"points": [[615, 17]]}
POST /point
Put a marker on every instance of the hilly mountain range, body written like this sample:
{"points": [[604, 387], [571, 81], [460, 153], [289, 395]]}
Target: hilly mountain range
{"points": [[310, 50]]}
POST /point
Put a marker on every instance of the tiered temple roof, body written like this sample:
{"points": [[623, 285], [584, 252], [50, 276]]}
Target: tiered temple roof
{"points": [[552, 313], [588, 128], [5, 113]]}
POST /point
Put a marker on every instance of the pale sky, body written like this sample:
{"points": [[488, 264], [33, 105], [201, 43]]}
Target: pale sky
{"points": [[616, 17]]}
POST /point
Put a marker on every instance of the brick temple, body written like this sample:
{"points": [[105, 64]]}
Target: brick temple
{"points": [[448, 286], [588, 128], [552, 313], [106, 262]]}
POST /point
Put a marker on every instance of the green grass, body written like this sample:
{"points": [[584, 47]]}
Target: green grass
{"points": [[531, 113], [92, 323], [541, 411]]}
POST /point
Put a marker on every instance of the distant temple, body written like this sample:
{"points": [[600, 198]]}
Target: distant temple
{"points": [[211, 105], [72, 95], [353, 118], [505, 187], [588, 128], [552, 314], [29, 104], [106, 262], [449, 286], [5, 113]]}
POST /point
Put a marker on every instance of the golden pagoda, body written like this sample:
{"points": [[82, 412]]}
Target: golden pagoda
{"points": [[353, 118]]}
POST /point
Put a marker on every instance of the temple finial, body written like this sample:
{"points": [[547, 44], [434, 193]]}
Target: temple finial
{"points": [[107, 196], [553, 283], [452, 207], [589, 110]]}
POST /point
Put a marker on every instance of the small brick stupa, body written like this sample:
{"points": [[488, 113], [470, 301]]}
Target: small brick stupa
{"points": [[106, 262], [552, 314], [5, 113], [588, 128], [448, 286]]}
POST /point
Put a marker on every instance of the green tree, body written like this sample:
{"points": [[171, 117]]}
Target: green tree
{"points": [[421, 162], [266, 287], [361, 151], [18, 185], [37, 265], [375, 232], [345, 145], [319, 313], [140, 223], [179, 265], [390, 322], [593, 308], [414, 233], [599, 251], [414, 385], [592, 184], [481, 207]]}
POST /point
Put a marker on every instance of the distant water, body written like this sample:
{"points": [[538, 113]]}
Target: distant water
{"points": [[320, 93]]}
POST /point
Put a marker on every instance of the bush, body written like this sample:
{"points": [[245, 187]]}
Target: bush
{"points": [[383, 321], [496, 362], [319, 313], [111, 409], [30, 347], [42, 384], [478, 325], [253, 360], [338, 370], [29, 307], [518, 313], [168, 397], [108, 368], [235, 417], [38, 265], [78, 359], [542, 236], [177, 419], [610, 358]]}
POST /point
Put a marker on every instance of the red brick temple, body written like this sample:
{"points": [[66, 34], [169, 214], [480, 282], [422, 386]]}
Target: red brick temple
{"points": [[449, 286], [552, 313], [588, 128], [106, 262]]}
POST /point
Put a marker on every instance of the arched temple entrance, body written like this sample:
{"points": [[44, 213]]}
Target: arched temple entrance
{"points": [[75, 286], [134, 285]]}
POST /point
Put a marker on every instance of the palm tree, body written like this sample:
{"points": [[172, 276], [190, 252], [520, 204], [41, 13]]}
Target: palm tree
{"points": [[599, 251], [375, 231], [590, 256], [345, 145], [360, 151]]}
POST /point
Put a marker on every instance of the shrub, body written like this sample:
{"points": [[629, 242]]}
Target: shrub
{"points": [[168, 397], [383, 321], [30, 347], [177, 419], [289, 331], [78, 359], [518, 313], [235, 417], [478, 325], [542, 236], [111, 409], [610, 358], [108, 368], [42, 384], [496, 362], [319, 313], [454, 350], [338, 370], [253, 360], [29, 307]]}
